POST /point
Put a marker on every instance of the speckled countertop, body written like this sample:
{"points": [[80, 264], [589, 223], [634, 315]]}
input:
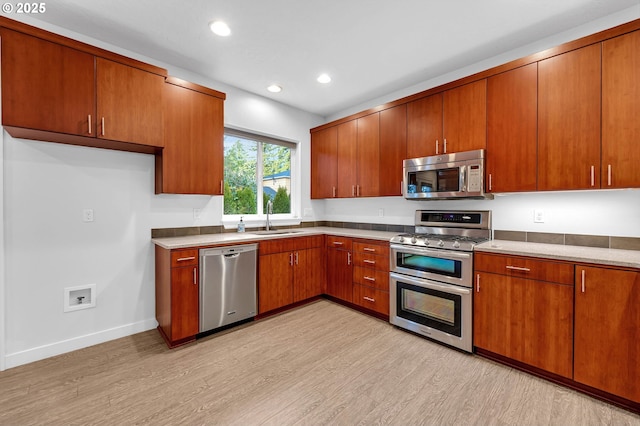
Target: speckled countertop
{"points": [[601, 256], [243, 237]]}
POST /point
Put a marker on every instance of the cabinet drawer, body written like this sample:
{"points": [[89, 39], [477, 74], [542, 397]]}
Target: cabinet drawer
{"points": [[184, 257], [367, 260], [374, 247], [371, 278], [282, 245], [525, 267], [339, 242], [371, 298]]}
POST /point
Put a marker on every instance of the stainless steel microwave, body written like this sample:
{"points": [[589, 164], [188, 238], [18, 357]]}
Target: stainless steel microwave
{"points": [[447, 176]]}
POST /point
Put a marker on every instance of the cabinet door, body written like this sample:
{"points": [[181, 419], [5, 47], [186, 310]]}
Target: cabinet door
{"points": [[46, 86], [184, 302], [465, 117], [193, 155], [526, 320], [424, 126], [569, 120], [512, 121], [310, 273], [339, 274], [368, 156], [347, 159], [393, 149], [607, 330], [620, 111], [275, 281], [324, 163], [129, 104]]}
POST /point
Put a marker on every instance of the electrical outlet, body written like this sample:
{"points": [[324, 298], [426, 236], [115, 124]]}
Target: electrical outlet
{"points": [[381, 212], [538, 216], [197, 213], [87, 215]]}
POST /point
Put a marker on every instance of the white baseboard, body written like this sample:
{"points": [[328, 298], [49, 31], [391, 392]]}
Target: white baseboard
{"points": [[64, 346]]}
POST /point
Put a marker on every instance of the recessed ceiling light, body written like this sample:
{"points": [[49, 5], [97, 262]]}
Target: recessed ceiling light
{"points": [[220, 28], [274, 88], [324, 78]]}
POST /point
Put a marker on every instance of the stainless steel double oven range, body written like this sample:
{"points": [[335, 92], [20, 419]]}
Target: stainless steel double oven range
{"points": [[431, 278]]}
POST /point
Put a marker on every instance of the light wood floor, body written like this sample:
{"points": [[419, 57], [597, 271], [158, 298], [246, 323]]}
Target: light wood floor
{"points": [[319, 364]]}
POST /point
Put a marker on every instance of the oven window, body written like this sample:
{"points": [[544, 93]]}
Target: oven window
{"points": [[425, 263], [432, 308]]}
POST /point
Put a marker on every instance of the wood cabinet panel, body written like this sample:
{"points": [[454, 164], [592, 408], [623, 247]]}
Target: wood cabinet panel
{"points": [[525, 267], [275, 278], [192, 161], [339, 242], [185, 296], [371, 247], [47, 86], [347, 159], [368, 156], [424, 126], [309, 273], [465, 117], [620, 111], [526, 320], [569, 120], [371, 277], [373, 261], [129, 107], [512, 121], [184, 258], [607, 330], [393, 149], [339, 274], [324, 163], [371, 298]]}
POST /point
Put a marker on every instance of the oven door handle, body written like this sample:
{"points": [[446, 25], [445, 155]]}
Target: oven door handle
{"points": [[446, 288], [444, 254]]}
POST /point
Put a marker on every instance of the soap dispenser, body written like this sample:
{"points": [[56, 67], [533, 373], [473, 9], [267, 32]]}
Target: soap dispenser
{"points": [[241, 225]]}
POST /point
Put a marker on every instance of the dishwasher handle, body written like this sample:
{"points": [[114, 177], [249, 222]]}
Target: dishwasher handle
{"points": [[231, 255], [229, 251]]}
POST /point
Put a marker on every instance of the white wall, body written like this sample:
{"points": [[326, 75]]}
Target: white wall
{"points": [[46, 246]]}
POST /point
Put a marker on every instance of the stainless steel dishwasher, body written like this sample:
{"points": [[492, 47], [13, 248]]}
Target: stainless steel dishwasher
{"points": [[227, 285]]}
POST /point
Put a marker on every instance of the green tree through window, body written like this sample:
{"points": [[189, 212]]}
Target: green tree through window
{"points": [[251, 166]]}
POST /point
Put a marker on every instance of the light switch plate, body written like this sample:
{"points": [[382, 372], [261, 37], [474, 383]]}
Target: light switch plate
{"points": [[538, 216]]}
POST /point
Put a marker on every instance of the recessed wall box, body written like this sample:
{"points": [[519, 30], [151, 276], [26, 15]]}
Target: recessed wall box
{"points": [[80, 297]]}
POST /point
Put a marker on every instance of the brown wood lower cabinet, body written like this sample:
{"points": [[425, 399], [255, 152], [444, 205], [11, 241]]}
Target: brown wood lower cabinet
{"points": [[524, 318], [290, 270], [177, 295], [607, 330], [339, 268], [371, 275]]}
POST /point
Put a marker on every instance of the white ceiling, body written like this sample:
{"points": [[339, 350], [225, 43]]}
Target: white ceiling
{"points": [[369, 47]]}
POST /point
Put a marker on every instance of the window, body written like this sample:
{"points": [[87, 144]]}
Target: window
{"points": [[257, 169]]}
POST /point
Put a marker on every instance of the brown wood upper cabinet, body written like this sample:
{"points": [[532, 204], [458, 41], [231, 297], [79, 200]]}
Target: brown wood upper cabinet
{"points": [[512, 140], [368, 156], [569, 120], [620, 111], [192, 161], [393, 149], [76, 96], [324, 163], [447, 122]]}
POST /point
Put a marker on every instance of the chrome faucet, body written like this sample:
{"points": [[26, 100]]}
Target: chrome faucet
{"points": [[269, 212]]}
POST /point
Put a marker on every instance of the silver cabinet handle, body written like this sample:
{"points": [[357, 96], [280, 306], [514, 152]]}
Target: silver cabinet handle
{"points": [[583, 276], [348, 258], [609, 175], [369, 299], [369, 249], [369, 278], [444, 151], [291, 259], [89, 121], [490, 182], [353, 190], [478, 283], [372, 262], [357, 190], [437, 147], [222, 187], [518, 268], [195, 277], [184, 259], [334, 192], [337, 243], [297, 258], [593, 176], [102, 126]]}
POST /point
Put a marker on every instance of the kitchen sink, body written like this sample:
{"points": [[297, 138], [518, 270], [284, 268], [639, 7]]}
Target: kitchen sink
{"points": [[277, 232]]}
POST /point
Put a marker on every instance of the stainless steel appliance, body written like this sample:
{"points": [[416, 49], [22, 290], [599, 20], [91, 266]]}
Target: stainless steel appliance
{"points": [[431, 278], [447, 176], [227, 285]]}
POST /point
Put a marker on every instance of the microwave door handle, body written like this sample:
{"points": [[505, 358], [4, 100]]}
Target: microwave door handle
{"points": [[463, 172]]}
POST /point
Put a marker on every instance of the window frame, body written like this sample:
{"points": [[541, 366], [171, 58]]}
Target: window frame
{"points": [[230, 221]]}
